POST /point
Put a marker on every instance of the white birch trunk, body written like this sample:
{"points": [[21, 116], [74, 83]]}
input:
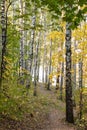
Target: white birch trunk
{"points": [[32, 41], [49, 83], [61, 81], [21, 64]]}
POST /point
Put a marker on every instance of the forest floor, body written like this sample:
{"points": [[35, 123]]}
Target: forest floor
{"points": [[51, 119]]}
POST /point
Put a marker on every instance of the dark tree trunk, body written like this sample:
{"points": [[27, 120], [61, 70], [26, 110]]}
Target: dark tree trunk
{"points": [[4, 33], [69, 103], [57, 82]]}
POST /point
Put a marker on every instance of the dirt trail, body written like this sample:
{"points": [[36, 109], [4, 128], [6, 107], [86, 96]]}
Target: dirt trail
{"points": [[56, 117], [52, 119]]}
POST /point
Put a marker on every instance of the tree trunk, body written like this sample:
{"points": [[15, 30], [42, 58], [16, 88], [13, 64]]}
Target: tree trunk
{"points": [[61, 81], [4, 37], [45, 51], [25, 40], [48, 88], [69, 103], [57, 83], [36, 62], [74, 75], [80, 86], [21, 64], [74, 68], [35, 68], [32, 40], [43, 71], [38, 57]]}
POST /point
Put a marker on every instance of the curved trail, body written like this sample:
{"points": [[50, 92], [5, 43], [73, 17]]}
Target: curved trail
{"points": [[56, 116]]}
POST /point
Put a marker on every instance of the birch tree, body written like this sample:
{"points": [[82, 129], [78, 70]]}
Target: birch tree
{"points": [[21, 64], [4, 38], [61, 81], [50, 60], [69, 103], [32, 40]]}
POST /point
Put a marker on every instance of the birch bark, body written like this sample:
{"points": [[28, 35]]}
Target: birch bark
{"points": [[4, 38], [49, 83], [69, 103], [61, 81], [21, 64], [32, 40], [80, 86]]}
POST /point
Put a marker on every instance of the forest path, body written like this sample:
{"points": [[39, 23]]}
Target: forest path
{"points": [[56, 115], [50, 117]]}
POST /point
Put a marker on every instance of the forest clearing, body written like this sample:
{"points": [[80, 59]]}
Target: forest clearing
{"points": [[43, 65]]}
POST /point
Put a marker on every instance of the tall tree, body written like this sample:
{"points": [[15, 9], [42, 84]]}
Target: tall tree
{"points": [[32, 40], [61, 81], [69, 103], [21, 40], [50, 64], [80, 84], [4, 37], [72, 16]]}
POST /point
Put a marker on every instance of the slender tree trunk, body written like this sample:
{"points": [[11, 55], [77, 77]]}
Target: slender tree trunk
{"points": [[25, 39], [38, 57], [69, 103], [43, 71], [61, 76], [4, 37], [39, 45], [80, 85], [46, 69], [35, 68], [25, 50], [32, 40], [44, 56], [61, 81], [37, 60], [74, 68], [74, 76], [57, 80], [21, 64], [58, 71], [38, 66], [49, 83], [80, 74]]}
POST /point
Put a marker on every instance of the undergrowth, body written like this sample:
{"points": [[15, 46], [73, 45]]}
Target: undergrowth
{"points": [[16, 101]]}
